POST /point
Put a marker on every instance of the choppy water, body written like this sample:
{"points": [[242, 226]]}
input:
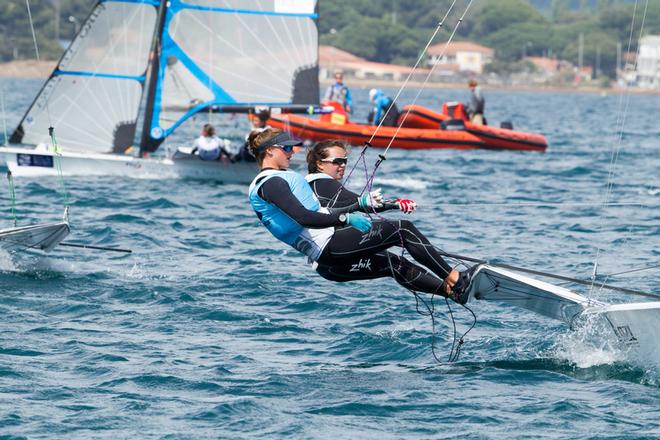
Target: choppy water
{"points": [[211, 329]]}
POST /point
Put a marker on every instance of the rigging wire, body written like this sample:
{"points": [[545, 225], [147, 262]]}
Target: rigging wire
{"points": [[457, 342], [428, 76], [57, 151], [4, 117], [622, 113], [382, 157], [412, 71], [12, 193]]}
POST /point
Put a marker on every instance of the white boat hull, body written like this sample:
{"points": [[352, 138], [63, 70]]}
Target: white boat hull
{"points": [[44, 236], [41, 162], [635, 325]]}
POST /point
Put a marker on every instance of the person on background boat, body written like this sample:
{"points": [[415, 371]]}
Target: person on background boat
{"points": [[341, 241], [259, 122], [381, 104], [475, 108], [209, 146], [339, 92]]}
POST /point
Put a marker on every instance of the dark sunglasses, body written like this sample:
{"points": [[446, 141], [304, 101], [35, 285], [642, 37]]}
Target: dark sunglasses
{"points": [[285, 148], [336, 160]]}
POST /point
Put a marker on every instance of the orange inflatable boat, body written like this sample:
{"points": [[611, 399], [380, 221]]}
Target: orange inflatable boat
{"points": [[422, 129]]}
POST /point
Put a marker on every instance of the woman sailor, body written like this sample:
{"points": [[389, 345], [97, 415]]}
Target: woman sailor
{"points": [[326, 162], [336, 240]]}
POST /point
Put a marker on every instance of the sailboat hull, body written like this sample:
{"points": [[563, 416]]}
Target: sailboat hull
{"points": [[635, 325], [41, 162], [44, 236]]}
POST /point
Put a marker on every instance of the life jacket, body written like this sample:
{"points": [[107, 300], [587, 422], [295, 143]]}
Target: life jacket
{"points": [[338, 92], [310, 242]]}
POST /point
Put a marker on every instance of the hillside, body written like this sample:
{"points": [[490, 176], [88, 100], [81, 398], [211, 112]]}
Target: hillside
{"points": [[395, 31]]}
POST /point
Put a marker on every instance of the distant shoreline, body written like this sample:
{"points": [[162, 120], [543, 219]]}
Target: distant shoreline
{"points": [[27, 69], [42, 69], [363, 83]]}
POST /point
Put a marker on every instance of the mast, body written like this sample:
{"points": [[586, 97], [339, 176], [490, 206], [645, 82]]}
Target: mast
{"points": [[148, 143]]}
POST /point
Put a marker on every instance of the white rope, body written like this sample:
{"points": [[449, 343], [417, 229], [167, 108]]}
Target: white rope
{"points": [[4, 116], [419, 60], [426, 80], [36, 50], [621, 122]]}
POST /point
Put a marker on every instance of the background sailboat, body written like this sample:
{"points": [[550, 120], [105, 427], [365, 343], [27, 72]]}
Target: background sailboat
{"points": [[139, 69]]}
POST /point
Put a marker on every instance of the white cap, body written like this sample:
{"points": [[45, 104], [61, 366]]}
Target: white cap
{"points": [[372, 94]]}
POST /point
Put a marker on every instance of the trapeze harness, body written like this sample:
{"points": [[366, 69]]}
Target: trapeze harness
{"points": [[351, 255]]}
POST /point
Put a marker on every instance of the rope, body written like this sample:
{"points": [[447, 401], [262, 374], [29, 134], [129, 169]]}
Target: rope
{"points": [[639, 269], [57, 151], [622, 120], [57, 158], [419, 60], [12, 193], [426, 80], [383, 156], [4, 116], [552, 204], [36, 50]]}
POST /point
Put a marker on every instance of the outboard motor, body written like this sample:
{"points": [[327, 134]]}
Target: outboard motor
{"points": [[506, 124], [453, 124]]}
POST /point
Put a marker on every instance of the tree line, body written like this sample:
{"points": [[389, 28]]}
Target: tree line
{"points": [[395, 31]]}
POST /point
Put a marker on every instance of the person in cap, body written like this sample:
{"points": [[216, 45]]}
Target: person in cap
{"points": [[331, 238], [339, 92], [384, 111], [475, 108]]}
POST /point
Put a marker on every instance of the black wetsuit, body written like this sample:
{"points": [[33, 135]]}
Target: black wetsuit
{"points": [[352, 255]]}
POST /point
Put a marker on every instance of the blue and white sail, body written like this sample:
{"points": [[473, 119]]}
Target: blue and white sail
{"points": [[93, 95], [148, 65]]}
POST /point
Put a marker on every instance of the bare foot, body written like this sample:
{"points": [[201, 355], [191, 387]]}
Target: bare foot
{"points": [[449, 282]]}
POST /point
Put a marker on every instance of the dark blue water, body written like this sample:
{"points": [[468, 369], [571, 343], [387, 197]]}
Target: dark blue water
{"points": [[212, 329]]}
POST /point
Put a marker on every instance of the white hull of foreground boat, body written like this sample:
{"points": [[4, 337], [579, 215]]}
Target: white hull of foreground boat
{"points": [[635, 325], [38, 162], [45, 236]]}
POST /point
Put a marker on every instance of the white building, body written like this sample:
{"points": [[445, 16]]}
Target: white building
{"points": [[466, 56], [648, 61]]}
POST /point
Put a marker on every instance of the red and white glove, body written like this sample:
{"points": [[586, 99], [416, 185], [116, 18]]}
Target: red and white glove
{"points": [[406, 206]]}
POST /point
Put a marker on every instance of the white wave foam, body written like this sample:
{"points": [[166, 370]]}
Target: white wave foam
{"points": [[6, 262], [593, 343], [589, 345], [407, 183]]}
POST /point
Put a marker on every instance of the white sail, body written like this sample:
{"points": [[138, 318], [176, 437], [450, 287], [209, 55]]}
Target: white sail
{"points": [[93, 96], [224, 52]]}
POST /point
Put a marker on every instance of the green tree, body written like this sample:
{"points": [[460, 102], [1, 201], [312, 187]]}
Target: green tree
{"points": [[495, 16]]}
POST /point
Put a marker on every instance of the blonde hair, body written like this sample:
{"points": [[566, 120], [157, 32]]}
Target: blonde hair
{"points": [[259, 137]]}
